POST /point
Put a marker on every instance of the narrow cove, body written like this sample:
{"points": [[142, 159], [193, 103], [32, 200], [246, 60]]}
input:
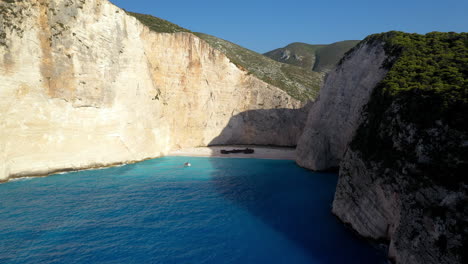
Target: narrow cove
{"points": [[219, 210]]}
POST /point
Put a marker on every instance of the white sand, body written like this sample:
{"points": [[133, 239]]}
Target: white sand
{"points": [[259, 152]]}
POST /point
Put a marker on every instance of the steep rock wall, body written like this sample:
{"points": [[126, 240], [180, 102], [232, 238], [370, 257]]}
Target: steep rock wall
{"points": [[403, 177], [403, 155], [82, 84], [418, 204], [423, 221], [264, 126], [335, 115]]}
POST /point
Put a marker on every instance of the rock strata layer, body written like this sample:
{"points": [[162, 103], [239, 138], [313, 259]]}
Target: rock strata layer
{"points": [[83, 84]]}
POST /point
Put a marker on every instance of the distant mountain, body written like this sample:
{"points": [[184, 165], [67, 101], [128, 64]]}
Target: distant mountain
{"points": [[296, 81], [318, 58]]}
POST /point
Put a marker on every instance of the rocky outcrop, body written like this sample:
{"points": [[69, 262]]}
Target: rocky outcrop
{"points": [[414, 194], [400, 141], [83, 84], [403, 177], [336, 114], [423, 221]]}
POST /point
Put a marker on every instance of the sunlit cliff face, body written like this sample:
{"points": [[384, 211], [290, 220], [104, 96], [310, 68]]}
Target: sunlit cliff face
{"points": [[82, 84]]}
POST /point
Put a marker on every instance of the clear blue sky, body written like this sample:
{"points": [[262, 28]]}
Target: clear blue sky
{"points": [[263, 25]]}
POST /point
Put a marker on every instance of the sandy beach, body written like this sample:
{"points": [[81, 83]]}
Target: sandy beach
{"points": [[259, 152]]}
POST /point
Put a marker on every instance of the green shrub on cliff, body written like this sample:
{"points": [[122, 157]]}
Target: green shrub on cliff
{"points": [[436, 62], [157, 24], [416, 116]]}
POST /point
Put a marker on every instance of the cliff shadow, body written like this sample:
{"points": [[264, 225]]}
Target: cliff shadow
{"points": [[267, 127], [294, 203]]}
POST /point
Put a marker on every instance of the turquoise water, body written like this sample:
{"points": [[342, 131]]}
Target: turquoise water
{"points": [[217, 211]]}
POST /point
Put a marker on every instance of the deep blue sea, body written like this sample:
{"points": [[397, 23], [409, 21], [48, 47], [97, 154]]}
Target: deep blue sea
{"points": [[219, 210]]}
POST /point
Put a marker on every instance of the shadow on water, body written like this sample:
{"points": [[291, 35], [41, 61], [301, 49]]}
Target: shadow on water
{"points": [[279, 127], [295, 203], [292, 201]]}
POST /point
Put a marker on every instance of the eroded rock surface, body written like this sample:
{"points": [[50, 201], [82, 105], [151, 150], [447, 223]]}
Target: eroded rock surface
{"points": [[336, 114], [83, 84], [423, 221], [402, 157]]}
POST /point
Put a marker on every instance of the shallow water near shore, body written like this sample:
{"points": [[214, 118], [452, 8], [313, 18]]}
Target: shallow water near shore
{"points": [[219, 210]]}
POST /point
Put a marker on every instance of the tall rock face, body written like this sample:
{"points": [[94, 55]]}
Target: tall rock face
{"points": [[83, 84], [403, 156], [335, 115], [260, 127]]}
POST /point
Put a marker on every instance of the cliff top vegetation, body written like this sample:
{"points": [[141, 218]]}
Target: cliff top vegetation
{"points": [[417, 113], [436, 62], [157, 24]]}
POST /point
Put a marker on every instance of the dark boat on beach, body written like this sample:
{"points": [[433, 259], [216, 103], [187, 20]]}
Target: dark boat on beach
{"points": [[245, 151]]}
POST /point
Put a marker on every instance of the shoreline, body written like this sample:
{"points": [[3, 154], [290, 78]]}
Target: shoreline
{"points": [[261, 152], [47, 173]]}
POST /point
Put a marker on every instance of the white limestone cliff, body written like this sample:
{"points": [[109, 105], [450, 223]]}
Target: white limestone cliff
{"points": [[400, 182], [82, 84], [337, 112]]}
